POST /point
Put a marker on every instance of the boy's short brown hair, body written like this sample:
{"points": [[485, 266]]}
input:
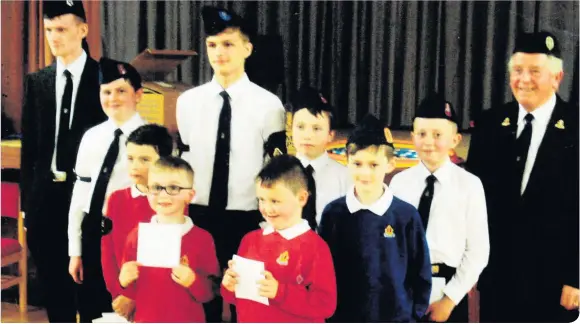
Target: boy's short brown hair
{"points": [[172, 164], [287, 170]]}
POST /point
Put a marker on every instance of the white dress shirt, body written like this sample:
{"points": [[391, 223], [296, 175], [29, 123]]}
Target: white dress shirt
{"points": [[542, 116], [76, 69], [331, 178], [457, 232], [256, 113], [378, 208], [92, 150]]}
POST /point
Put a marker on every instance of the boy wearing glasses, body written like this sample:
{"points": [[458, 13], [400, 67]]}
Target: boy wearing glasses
{"points": [[171, 295], [128, 207]]}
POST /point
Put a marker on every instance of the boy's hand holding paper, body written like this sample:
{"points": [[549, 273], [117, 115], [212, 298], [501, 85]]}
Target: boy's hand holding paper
{"points": [[129, 273], [230, 277], [249, 272], [269, 286]]}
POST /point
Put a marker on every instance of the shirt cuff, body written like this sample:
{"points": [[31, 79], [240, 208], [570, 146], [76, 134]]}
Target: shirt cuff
{"points": [[454, 293], [74, 247]]}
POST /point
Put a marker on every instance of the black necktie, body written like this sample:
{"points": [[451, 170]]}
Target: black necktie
{"points": [[426, 199], [309, 210], [62, 157], [218, 196], [98, 199], [522, 147]]}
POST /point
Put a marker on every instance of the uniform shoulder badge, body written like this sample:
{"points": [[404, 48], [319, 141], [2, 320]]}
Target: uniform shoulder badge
{"points": [[506, 122], [389, 232], [283, 258], [560, 124], [184, 260]]}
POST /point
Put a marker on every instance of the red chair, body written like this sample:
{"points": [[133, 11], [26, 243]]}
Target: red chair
{"points": [[14, 250]]}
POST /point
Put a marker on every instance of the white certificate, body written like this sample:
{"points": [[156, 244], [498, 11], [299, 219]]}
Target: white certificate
{"points": [[249, 272], [437, 286], [159, 245]]}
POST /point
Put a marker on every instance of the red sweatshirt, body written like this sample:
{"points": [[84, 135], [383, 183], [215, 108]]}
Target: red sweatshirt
{"points": [[126, 212], [303, 266], [160, 299]]}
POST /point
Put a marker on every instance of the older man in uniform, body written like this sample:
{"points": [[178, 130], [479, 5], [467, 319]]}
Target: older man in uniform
{"points": [[526, 154]]}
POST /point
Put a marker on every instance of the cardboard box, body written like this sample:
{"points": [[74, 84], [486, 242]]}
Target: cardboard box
{"points": [[159, 97]]}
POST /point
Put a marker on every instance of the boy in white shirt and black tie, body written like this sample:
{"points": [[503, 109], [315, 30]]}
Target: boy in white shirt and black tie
{"points": [[229, 124], [101, 168], [451, 202], [313, 128]]}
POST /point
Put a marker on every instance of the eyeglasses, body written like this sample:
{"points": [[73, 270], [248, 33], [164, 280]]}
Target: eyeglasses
{"points": [[171, 190]]}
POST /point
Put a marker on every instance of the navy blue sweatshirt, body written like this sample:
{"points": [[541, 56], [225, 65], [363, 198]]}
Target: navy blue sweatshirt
{"points": [[382, 263]]}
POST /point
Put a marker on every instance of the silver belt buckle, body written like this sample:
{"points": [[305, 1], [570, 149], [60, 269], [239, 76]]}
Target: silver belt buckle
{"points": [[59, 176]]}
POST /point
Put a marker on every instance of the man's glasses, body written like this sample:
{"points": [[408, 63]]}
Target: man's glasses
{"points": [[171, 190]]}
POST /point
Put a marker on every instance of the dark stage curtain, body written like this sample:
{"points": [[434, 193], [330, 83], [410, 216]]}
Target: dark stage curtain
{"points": [[367, 56]]}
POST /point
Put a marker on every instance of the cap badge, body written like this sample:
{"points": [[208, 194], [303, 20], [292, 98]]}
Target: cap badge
{"points": [[184, 260], [471, 124], [70, 3], [323, 99], [506, 122], [447, 110], [283, 258], [277, 152], [560, 124], [225, 16], [549, 43], [388, 135], [389, 232], [121, 69]]}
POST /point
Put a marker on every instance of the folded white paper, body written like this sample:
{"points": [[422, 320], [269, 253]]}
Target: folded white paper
{"points": [[437, 286], [249, 272], [111, 318], [159, 245]]}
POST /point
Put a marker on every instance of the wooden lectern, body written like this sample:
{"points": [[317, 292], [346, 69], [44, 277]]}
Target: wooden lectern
{"points": [[159, 97]]}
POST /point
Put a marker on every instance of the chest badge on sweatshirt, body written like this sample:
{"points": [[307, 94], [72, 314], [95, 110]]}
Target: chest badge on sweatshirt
{"points": [[299, 279], [389, 232], [283, 258], [184, 260]]}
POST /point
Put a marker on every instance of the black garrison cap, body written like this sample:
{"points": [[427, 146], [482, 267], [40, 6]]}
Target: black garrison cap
{"points": [[541, 42], [53, 9], [435, 106], [216, 20], [111, 70]]}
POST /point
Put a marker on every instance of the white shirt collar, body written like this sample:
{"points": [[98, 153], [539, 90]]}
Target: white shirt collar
{"points": [[379, 207], [75, 68], [290, 232], [136, 193], [185, 227], [541, 114], [235, 89], [317, 164], [129, 126], [443, 173]]}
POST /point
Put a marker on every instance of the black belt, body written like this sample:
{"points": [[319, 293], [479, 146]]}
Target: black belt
{"points": [[442, 270]]}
